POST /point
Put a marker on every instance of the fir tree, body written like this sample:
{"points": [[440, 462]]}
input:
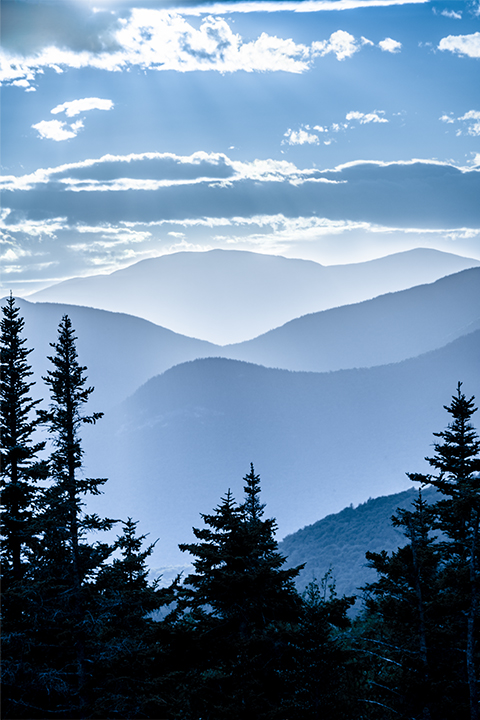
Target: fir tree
{"points": [[126, 665], [20, 470], [423, 610], [400, 635], [457, 461], [19, 464], [236, 613], [65, 564]]}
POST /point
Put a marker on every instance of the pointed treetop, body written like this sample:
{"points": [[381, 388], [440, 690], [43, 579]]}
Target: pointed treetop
{"points": [[252, 506]]}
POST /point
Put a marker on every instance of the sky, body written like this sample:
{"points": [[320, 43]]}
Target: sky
{"points": [[331, 130]]}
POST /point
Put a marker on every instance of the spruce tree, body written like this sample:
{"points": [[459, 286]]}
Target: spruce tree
{"points": [[406, 653], [457, 462], [66, 564], [423, 610], [237, 612], [124, 675], [20, 467], [20, 470]]}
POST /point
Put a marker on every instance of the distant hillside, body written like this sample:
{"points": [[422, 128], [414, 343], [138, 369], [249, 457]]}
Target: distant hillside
{"points": [[387, 329], [340, 541], [121, 352], [228, 296], [319, 440]]}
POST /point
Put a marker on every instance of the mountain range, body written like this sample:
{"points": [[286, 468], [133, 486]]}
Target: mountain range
{"points": [[332, 407], [319, 440], [228, 296], [122, 352]]}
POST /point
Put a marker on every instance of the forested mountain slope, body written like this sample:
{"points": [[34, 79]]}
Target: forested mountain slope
{"points": [[339, 541]]}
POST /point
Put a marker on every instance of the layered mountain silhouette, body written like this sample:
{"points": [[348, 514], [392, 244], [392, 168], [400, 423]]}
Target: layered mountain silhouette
{"points": [[319, 440], [122, 352], [228, 296], [387, 329]]}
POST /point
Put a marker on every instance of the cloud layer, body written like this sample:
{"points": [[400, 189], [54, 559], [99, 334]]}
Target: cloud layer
{"points": [[100, 213], [154, 39]]}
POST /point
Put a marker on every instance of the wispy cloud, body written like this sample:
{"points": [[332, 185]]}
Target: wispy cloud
{"points": [[472, 118], [390, 45], [468, 45], [453, 14], [323, 133], [365, 118], [470, 121], [75, 107], [299, 6]]}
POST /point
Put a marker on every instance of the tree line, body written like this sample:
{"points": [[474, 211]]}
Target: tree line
{"points": [[87, 634]]}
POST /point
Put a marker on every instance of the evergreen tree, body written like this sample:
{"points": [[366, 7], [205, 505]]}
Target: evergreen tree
{"points": [[236, 613], [19, 464], [19, 472], [322, 680], [123, 681], [65, 564], [400, 632], [422, 613], [457, 460]]}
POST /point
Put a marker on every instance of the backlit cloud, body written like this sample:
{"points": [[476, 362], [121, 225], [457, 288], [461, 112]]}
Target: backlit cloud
{"points": [[468, 45], [163, 40], [390, 45], [75, 107]]}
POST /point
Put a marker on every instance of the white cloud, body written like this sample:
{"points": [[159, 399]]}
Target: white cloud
{"points": [[390, 45], [447, 119], [472, 118], [468, 45], [300, 137], [57, 130], [302, 6], [75, 107], [154, 39], [341, 43], [452, 14], [365, 118]]}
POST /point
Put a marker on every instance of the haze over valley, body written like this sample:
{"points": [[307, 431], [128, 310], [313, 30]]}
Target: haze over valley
{"points": [[184, 417]]}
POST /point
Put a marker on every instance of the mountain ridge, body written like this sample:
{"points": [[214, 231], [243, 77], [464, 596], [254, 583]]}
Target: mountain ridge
{"points": [[227, 296], [318, 440]]}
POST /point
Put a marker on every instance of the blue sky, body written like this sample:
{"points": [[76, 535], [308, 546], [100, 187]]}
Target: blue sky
{"points": [[336, 131]]}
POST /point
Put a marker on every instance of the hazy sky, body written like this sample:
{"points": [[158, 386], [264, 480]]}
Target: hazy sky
{"points": [[332, 130]]}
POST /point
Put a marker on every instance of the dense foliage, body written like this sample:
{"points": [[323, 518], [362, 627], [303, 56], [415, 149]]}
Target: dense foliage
{"points": [[87, 634]]}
